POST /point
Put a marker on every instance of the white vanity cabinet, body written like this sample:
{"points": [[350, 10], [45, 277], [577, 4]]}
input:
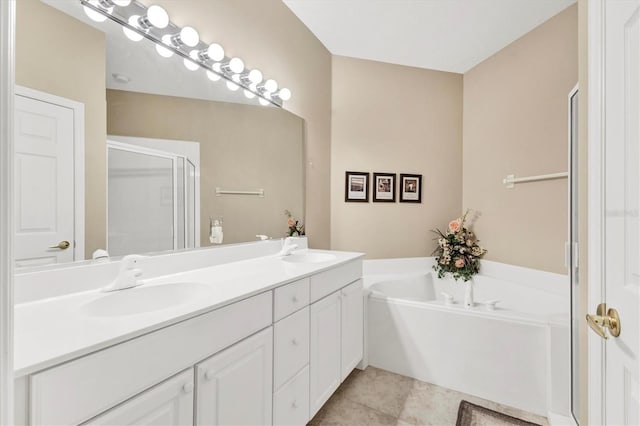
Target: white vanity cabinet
{"points": [[270, 358], [170, 404], [234, 387]]}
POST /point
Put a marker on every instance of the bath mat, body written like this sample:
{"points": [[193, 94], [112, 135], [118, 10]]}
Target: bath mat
{"points": [[474, 415]]}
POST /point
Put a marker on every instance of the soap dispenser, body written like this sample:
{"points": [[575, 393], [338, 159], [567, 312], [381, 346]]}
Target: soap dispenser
{"points": [[215, 231]]}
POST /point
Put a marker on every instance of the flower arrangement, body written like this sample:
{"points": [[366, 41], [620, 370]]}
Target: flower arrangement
{"points": [[296, 228], [458, 251]]}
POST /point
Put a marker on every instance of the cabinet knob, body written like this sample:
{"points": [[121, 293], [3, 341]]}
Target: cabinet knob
{"points": [[294, 404], [187, 388], [210, 374], [294, 299], [294, 341]]}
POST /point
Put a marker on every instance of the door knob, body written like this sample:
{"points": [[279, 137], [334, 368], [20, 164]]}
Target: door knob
{"points": [[62, 245], [605, 319]]}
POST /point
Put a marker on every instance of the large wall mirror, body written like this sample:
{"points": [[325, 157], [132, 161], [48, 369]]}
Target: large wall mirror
{"points": [[122, 149]]}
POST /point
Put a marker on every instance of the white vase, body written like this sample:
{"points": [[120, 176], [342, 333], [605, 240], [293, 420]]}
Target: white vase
{"points": [[468, 294]]}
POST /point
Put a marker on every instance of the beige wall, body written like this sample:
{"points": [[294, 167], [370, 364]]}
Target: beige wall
{"points": [[396, 119], [515, 122], [267, 35], [240, 148], [60, 55]]}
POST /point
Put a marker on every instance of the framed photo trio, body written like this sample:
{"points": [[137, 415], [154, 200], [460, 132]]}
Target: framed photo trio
{"points": [[384, 186]]}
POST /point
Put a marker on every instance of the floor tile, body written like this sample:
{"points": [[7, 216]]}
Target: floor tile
{"points": [[378, 389], [342, 411]]}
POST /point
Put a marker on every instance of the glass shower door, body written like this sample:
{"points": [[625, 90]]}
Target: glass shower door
{"points": [[140, 202]]}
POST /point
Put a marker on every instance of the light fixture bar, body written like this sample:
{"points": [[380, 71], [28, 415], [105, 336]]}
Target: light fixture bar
{"points": [[155, 35]]}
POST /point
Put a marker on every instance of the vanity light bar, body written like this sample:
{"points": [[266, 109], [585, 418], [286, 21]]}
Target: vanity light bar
{"points": [[184, 42]]}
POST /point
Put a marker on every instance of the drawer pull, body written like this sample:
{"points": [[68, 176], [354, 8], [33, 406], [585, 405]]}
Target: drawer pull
{"points": [[294, 342], [294, 299], [187, 388], [210, 375], [294, 404]]}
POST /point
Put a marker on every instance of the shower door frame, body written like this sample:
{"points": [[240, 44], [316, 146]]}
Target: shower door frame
{"points": [[138, 149]]}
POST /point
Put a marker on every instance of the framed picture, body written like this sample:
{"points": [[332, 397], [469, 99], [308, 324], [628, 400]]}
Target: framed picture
{"points": [[410, 188], [356, 187], [384, 187]]}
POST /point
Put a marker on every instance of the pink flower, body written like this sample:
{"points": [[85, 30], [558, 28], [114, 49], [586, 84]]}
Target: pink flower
{"points": [[459, 263], [291, 222], [454, 225]]}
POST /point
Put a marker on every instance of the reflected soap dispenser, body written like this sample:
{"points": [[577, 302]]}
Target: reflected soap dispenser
{"points": [[215, 231]]}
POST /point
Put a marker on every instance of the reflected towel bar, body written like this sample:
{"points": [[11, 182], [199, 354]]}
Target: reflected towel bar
{"points": [[219, 192], [511, 180]]}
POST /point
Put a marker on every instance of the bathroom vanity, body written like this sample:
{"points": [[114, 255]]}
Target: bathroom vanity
{"points": [[263, 340]]}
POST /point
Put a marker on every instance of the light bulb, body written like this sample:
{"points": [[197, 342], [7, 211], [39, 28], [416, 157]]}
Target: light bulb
{"points": [[189, 36], [255, 76], [249, 94], [253, 87], [232, 86], [157, 16], [263, 102], [215, 52], [217, 67], [93, 15], [236, 65], [236, 78], [284, 94], [213, 76], [270, 85], [132, 35], [121, 3], [163, 51], [190, 65]]}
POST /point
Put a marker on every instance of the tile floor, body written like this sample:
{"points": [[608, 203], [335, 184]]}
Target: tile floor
{"points": [[378, 397]]}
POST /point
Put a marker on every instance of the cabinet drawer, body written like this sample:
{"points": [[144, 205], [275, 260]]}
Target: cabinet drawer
{"points": [[291, 403], [78, 390], [327, 282], [289, 298], [291, 346]]}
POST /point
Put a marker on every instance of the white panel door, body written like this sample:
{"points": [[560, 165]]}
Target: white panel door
{"points": [[621, 255], [44, 182], [167, 404], [352, 327], [235, 386], [325, 353]]}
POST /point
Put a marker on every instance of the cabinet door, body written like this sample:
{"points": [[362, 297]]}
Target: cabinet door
{"points": [[324, 362], [169, 403], [235, 386], [352, 327]]}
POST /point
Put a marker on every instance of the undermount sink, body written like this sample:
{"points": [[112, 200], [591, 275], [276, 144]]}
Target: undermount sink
{"points": [[144, 299], [309, 257]]}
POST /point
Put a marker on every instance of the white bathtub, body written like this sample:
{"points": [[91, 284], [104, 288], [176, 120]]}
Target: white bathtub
{"points": [[516, 355]]}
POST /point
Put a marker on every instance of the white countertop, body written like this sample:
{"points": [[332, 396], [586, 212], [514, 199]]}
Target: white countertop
{"points": [[55, 330]]}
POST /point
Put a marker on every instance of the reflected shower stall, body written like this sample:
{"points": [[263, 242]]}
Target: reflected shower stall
{"points": [[152, 198]]}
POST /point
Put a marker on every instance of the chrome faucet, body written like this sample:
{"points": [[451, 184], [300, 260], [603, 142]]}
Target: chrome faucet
{"points": [[287, 247], [128, 274]]}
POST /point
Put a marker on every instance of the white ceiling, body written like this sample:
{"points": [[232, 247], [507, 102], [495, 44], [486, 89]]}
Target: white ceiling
{"points": [[445, 35]]}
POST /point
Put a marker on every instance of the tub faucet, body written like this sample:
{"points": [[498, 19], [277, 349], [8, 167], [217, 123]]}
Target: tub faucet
{"points": [[287, 247], [128, 274]]}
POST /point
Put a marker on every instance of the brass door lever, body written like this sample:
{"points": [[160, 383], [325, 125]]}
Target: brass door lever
{"points": [[62, 245], [605, 319]]}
